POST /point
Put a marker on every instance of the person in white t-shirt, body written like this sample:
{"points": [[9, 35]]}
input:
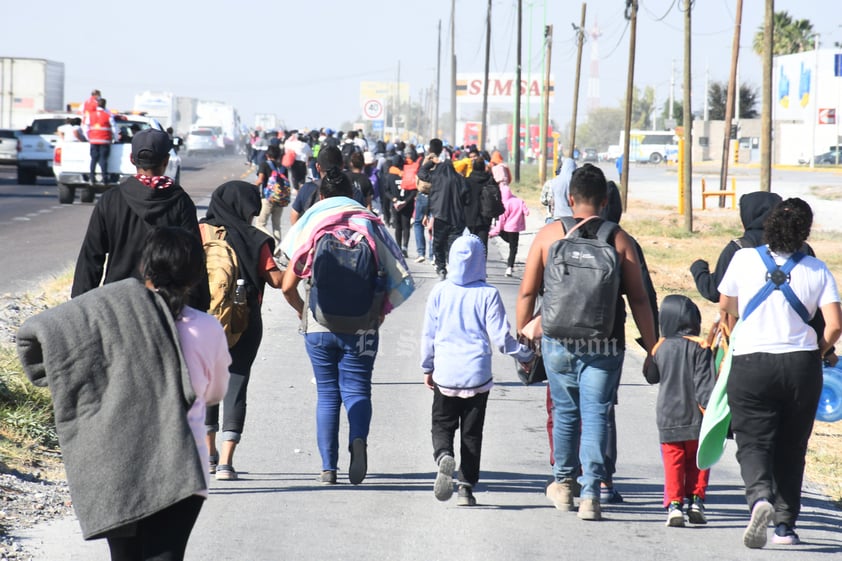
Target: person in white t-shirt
{"points": [[776, 372]]}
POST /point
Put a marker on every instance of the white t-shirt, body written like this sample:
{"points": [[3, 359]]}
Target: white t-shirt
{"points": [[774, 326]]}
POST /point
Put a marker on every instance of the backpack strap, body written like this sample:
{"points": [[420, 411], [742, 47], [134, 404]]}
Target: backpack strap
{"points": [[606, 230], [777, 278]]}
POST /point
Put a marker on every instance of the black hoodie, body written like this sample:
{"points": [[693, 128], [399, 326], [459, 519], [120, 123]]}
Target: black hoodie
{"points": [[117, 231], [683, 367], [754, 208]]}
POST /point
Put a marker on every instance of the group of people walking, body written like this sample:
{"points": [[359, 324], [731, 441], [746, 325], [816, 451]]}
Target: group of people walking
{"points": [[145, 243]]}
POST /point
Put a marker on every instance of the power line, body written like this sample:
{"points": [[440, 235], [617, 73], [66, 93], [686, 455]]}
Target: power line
{"points": [[663, 16]]}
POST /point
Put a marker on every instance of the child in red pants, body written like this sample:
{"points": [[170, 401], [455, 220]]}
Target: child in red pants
{"points": [[683, 365]]}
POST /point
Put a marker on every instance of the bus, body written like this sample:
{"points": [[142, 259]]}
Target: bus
{"points": [[651, 146]]}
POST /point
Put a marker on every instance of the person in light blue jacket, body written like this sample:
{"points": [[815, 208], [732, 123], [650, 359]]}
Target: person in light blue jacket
{"points": [[465, 321]]}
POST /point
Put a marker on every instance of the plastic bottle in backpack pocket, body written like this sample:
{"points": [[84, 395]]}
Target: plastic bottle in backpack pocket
{"points": [[830, 401], [240, 297]]}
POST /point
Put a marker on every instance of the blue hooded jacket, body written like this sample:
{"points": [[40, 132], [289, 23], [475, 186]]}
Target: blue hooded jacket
{"points": [[464, 321]]}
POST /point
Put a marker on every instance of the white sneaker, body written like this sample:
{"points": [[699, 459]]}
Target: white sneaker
{"points": [[508, 271], [419, 259]]}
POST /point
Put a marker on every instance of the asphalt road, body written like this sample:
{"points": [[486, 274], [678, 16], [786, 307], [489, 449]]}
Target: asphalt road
{"points": [[277, 510]]}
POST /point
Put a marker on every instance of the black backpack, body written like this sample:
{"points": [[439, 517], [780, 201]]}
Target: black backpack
{"points": [[581, 284], [491, 201]]}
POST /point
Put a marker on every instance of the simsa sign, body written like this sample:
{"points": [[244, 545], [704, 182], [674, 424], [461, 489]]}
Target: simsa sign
{"points": [[501, 87]]}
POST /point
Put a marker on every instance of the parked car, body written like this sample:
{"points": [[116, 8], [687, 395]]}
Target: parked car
{"points": [[8, 146], [829, 158], [204, 141], [590, 155]]}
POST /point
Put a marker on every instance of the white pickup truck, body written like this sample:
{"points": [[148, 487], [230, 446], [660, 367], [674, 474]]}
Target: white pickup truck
{"points": [[35, 147], [72, 162]]}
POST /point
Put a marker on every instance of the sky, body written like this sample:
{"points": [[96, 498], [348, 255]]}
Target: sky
{"points": [[304, 61]]}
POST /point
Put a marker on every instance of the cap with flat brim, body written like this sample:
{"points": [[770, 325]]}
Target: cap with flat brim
{"points": [[150, 148]]}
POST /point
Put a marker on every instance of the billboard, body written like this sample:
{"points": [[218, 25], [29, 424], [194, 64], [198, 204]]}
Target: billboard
{"points": [[501, 87]]}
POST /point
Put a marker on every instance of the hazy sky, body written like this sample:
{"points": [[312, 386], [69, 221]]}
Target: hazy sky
{"points": [[304, 60]]}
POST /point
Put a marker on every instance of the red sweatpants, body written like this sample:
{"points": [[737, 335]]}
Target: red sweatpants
{"points": [[682, 478]]}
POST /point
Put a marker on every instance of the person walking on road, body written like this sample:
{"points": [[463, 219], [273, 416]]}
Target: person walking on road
{"points": [[355, 275], [449, 195], [776, 373], [276, 196], [464, 321], [513, 220], [233, 206], [581, 356], [101, 132], [132, 399], [124, 216], [683, 366]]}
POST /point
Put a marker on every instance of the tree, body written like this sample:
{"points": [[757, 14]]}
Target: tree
{"points": [[601, 129], [677, 112], [642, 105], [791, 36], [718, 96]]}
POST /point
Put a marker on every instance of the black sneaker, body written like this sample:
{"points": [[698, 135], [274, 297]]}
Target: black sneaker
{"points": [[696, 511], [359, 462], [785, 535], [675, 516], [464, 496]]}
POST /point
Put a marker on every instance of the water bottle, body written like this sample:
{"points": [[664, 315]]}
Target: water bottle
{"points": [[240, 293], [830, 401]]}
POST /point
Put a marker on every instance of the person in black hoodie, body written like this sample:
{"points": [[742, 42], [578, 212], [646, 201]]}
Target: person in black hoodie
{"points": [[125, 215], [683, 366], [478, 224], [754, 208], [234, 205]]}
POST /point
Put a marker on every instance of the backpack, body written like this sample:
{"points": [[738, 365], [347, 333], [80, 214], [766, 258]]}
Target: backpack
{"points": [[288, 158], [491, 201], [347, 149], [346, 291], [223, 272], [581, 284], [277, 187]]}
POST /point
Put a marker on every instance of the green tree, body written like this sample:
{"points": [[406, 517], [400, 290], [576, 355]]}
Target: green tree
{"points": [[642, 106], [677, 113], [791, 36], [601, 129], [718, 96]]}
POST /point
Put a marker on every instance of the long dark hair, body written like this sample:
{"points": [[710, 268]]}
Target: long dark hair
{"points": [[172, 260]]}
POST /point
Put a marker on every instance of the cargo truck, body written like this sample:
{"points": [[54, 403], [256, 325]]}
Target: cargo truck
{"points": [[29, 87]]}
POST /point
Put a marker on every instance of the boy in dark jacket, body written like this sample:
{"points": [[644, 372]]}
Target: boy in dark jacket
{"points": [[683, 365]]}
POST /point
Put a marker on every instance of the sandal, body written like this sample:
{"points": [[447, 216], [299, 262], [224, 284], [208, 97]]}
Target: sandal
{"points": [[225, 472]]}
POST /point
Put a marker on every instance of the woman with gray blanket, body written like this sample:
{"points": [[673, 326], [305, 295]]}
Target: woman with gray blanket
{"points": [[147, 369]]}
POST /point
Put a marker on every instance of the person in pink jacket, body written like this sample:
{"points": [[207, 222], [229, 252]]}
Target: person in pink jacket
{"points": [[513, 220]]}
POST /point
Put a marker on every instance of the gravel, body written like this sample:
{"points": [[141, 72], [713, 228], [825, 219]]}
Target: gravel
{"points": [[26, 499]]}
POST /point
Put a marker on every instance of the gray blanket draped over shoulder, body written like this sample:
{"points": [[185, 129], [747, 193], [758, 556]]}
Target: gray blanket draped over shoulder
{"points": [[121, 392]]}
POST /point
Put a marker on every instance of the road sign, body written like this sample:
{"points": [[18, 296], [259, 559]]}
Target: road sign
{"points": [[373, 109], [827, 116], [837, 65], [377, 126]]}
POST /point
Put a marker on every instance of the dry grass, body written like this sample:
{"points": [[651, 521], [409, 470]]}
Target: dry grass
{"points": [[670, 250]]}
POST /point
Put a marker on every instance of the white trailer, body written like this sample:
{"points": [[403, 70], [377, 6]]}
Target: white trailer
{"points": [[223, 115], [265, 121], [28, 87], [157, 105]]}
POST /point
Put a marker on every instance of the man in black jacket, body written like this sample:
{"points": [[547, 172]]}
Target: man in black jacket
{"points": [[125, 214], [449, 195]]}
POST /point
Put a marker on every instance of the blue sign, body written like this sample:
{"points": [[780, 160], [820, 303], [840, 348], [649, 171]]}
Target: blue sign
{"points": [[377, 126], [837, 65]]}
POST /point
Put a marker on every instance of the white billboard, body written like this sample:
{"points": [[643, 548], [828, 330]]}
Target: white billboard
{"points": [[501, 87]]}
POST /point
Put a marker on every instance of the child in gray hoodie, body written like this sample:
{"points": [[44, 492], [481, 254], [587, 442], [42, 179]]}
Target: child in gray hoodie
{"points": [[465, 320]]}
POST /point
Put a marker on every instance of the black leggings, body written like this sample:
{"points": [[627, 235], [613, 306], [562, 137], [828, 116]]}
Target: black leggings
{"points": [[160, 537], [467, 415], [511, 238]]}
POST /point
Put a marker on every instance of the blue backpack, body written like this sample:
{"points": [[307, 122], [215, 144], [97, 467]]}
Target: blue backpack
{"points": [[347, 285]]}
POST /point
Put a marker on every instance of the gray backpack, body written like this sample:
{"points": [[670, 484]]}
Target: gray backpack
{"points": [[581, 284]]}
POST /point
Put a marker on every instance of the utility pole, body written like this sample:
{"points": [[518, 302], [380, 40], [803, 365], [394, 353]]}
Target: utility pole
{"points": [[398, 108], [707, 89], [580, 31], [688, 122], [729, 103], [483, 129], [766, 111], [545, 117], [631, 15], [435, 133], [516, 129], [672, 92], [453, 73]]}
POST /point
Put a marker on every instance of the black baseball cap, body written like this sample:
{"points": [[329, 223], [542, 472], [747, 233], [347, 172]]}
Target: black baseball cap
{"points": [[150, 147]]}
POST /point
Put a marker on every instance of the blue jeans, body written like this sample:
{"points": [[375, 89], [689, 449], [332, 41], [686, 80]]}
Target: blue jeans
{"points": [[422, 206], [342, 364], [583, 387]]}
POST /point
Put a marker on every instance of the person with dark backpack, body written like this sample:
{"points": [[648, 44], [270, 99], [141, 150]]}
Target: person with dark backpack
{"points": [[583, 265], [355, 274], [477, 216]]}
